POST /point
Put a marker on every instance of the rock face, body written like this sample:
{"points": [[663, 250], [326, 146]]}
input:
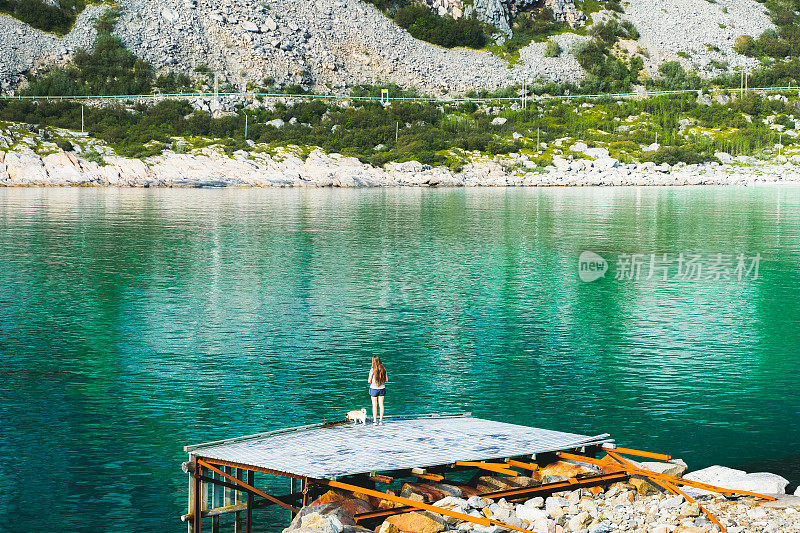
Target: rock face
{"points": [[501, 13]]}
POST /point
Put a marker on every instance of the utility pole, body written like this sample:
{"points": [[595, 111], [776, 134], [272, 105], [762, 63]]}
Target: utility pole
{"points": [[245, 125], [396, 132], [81, 119]]}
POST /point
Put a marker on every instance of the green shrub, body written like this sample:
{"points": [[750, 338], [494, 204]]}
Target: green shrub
{"points": [[676, 154], [552, 49], [606, 72], [64, 144], [674, 77], [172, 82], [745, 45], [110, 69], [612, 30], [425, 25], [57, 19]]}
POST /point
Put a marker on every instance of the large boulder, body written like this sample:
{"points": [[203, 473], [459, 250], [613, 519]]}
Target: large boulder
{"points": [[729, 478], [676, 467], [418, 522], [497, 483], [317, 515], [423, 492], [567, 469]]}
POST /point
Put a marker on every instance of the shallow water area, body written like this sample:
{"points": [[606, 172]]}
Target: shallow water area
{"points": [[135, 321]]}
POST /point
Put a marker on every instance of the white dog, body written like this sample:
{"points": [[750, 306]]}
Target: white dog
{"points": [[357, 416]]}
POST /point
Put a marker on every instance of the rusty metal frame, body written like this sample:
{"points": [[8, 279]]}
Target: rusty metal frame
{"points": [[251, 489], [429, 477], [671, 488], [681, 481], [640, 453], [513, 494], [483, 521], [498, 468]]}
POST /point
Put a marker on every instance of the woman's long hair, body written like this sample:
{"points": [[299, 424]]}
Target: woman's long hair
{"points": [[378, 371]]}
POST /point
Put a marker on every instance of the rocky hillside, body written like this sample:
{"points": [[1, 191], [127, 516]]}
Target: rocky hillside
{"points": [[331, 44]]}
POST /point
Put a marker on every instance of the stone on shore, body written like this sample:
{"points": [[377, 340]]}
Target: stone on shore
{"points": [[676, 467], [567, 469], [644, 487], [496, 483], [418, 522], [729, 478]]}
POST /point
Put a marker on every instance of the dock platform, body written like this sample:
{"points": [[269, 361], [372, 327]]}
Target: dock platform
{"points": [[351, 456]]}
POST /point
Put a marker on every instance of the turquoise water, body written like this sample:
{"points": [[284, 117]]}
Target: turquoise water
{"points": [[133, 322]]}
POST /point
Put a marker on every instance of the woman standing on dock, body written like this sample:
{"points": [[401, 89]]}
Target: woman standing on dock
{"points": [[377, 387]]}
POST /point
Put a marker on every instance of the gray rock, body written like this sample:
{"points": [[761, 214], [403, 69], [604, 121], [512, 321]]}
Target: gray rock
{"points": [[250, 26], [499, 121], [671, 503], [729, 478], [476, 502], [535, 502], [278, 123]]}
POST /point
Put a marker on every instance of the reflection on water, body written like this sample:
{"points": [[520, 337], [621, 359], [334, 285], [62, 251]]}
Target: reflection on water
{"points": [[133, 322]]}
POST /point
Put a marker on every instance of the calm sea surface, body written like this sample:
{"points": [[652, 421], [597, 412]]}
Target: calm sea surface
{"points": [[133, 322]]}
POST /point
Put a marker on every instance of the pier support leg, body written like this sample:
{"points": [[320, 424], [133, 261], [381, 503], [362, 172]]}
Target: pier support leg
{"points": [[292, 490], [190, 506], [197, 511], [215, 501], [237, 519], [250, 481]]}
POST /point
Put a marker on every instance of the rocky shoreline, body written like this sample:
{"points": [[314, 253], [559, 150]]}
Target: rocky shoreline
{"points": [[634, 505], [292, 167]]}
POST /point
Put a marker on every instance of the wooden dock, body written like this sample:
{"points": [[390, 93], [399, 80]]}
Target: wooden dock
{"points": [[354, 457]]}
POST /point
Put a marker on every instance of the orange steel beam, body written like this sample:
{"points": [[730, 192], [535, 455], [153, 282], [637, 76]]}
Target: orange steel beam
{"points": [[640, 453], [533, 467], [253, 490], [499, 468], [429, 477], [418, 505], [513, 493], [633, 469], [675, 490], [681, 481], [584, 459], [558, 485]]}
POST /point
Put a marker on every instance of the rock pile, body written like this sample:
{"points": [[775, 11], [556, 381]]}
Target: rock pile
{"points": [[632, 506]]}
